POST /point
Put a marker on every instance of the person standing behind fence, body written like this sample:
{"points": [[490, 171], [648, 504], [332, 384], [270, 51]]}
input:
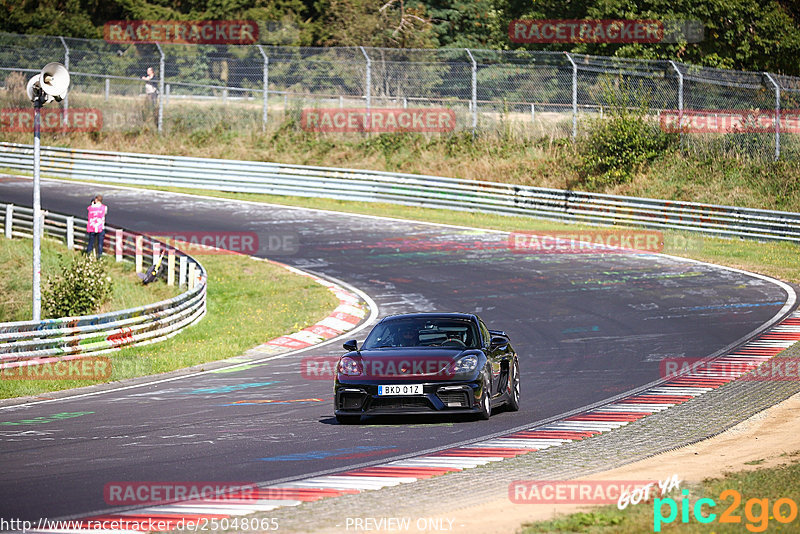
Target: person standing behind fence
{"points": [[151, 92], [96, 225]]}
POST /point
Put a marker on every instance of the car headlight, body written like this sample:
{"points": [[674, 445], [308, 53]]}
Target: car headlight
{"points": [[350, 367], [467, 364]]}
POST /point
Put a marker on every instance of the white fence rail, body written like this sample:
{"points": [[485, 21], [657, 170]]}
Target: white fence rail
{"points": [[28, 342], [409, 189]]}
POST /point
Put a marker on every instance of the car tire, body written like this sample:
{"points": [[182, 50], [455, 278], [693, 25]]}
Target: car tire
{"points": [[348, 419], [485, 403], [513, 388]]}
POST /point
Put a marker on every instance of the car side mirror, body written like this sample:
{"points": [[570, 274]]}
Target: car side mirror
{"points": [[498, 342], [351, 345]]}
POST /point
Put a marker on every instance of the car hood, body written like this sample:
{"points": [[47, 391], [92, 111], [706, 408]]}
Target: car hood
{"points": [[410, 362]]}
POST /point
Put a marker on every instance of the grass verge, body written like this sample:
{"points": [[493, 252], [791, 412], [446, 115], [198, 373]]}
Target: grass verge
{"points": [[16, 286], [249, 302], [757, 488]]}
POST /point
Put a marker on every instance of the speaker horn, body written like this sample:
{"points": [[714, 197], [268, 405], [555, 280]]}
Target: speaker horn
{"points": [[54, 80]]}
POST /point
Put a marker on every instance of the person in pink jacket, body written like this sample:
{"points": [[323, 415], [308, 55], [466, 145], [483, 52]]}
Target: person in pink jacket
{"points": [[96, 227]]}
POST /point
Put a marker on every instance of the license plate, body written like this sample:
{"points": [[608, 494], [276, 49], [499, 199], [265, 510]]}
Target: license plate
{"points": [[400, 389]]}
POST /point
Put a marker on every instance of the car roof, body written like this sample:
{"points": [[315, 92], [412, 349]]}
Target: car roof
{"points": [[430, 315]]}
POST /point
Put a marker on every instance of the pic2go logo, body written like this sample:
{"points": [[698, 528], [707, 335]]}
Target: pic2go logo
{"points": [[756, 511]]}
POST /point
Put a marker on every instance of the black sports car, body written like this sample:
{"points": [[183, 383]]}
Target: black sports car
{"points": [[426, 363]]}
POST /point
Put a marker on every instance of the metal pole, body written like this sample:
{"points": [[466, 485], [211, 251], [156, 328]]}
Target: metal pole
{"points": [[777, 115], [160, 88], [574, 96], [70, 233], [9, 220], [65, 108], [37, 213], [368, 82], [264, 116], [108, 87], [474, 101], [680, 98]]}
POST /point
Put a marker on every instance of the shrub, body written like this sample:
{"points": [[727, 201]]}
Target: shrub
{"points": [[616, 146], [81, 289]]}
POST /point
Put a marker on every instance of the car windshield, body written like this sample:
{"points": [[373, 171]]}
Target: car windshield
{"points": [[423, 332]]}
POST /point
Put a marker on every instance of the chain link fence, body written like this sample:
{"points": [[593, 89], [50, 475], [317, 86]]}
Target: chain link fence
{"points": [[208, 89]]}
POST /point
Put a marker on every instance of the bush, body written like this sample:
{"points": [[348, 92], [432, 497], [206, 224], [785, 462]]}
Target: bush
{"points": [[81, 289], [617, 146]]}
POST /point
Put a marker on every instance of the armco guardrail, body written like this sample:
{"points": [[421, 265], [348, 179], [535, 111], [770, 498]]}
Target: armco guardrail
{"points": [[26, 342], [411, 189]]}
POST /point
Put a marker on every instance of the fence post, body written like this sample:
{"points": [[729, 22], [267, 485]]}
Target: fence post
{"points": [[777, 87], [574, 96], [118, 245], [9, 220], [264, 116], [171, 267], [182, 271], [107, 88], [167, 90], [70, 233], [474, 101], [368, 85], [680, 98], [65, 108], [533, 112], [156, 251], [191, 275], [138, 253], [160, 88]]}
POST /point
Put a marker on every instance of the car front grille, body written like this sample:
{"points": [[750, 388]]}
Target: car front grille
{"points": [[454, 399], [398, 403]]}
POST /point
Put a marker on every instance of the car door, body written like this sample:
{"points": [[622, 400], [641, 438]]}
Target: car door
{"points": [[495, 356]]}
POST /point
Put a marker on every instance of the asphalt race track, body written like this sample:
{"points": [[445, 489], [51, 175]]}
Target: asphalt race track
{"points": [[586, 327]]}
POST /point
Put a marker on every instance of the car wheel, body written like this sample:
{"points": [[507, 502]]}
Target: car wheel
{"points": [[513, 388], [348, 419], [486, 402]]}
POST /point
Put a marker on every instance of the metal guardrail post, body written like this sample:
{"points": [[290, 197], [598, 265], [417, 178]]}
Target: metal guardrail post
{"points": [[70, 233], [474, 102], [171, 267], [368, 84], [65, 108], [182, 271], [680, 98], [9, 225], [574, 96], [138, 254], [161, 76], [777, 87], [265, 75], [192, 276]]}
